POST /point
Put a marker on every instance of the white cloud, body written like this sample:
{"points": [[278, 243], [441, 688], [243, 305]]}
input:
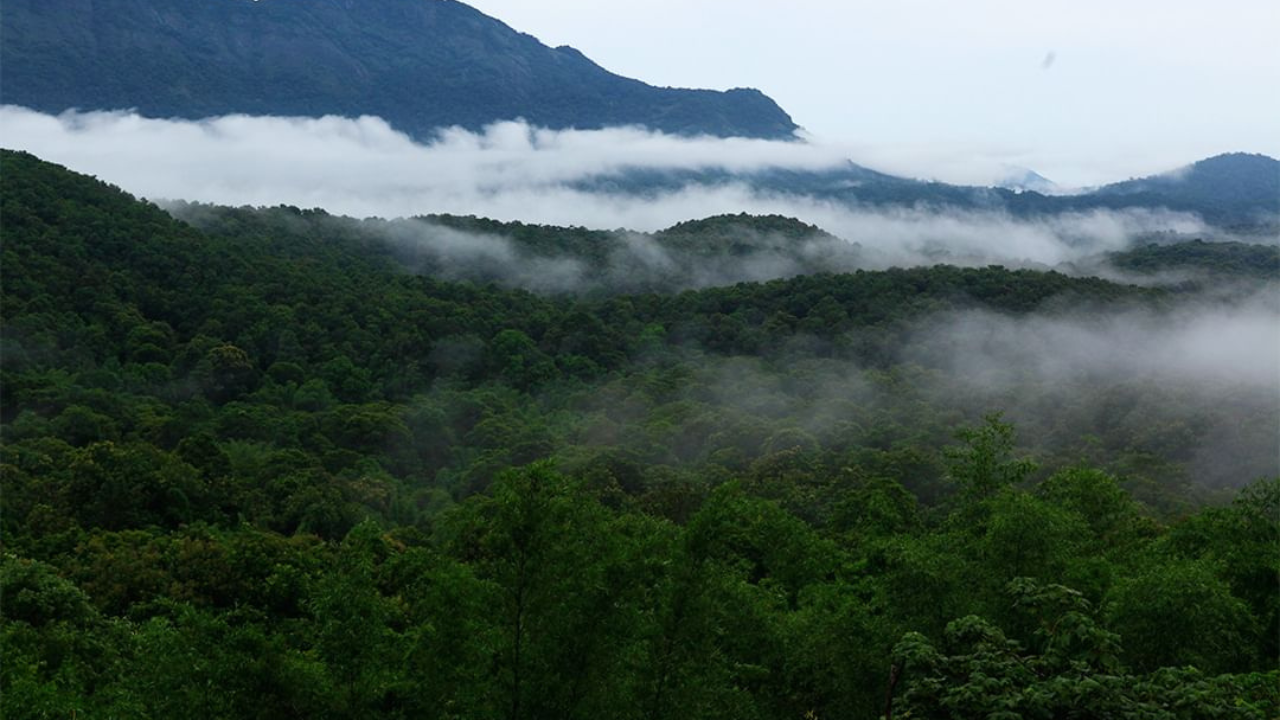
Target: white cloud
{"points": [[511, 171]]}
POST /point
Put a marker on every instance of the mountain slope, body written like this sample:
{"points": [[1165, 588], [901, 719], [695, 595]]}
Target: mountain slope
{"points": [[419, 64], [1235, 180]]}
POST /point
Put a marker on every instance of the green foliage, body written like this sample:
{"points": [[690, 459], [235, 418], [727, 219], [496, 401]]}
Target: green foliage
{"points": [[1179, 613], [1226, 258], [1071, 669], [258, 470], [983, 465]]}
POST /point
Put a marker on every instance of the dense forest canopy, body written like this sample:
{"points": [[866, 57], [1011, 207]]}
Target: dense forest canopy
{"points": [[271, 462]]}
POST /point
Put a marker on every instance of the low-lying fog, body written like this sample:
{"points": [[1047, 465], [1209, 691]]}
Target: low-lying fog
{"points": [[363, 168], [1197, 385]]}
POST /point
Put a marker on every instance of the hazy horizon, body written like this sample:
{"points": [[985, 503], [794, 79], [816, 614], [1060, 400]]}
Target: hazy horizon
{"points": [[510, 171], [1083, 93]]}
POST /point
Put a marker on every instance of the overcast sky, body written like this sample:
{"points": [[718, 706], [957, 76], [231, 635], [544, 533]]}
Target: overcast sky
{"points": [[1084, 91]]}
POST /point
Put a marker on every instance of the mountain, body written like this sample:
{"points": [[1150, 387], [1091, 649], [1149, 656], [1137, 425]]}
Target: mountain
{"points": [[419, 64], [1238, 181], [1021, 179], [1237, 191]]}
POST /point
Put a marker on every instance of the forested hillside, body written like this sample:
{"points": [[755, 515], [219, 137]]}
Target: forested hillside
{"points": [[697, 254], [270, 463], [1233, 182]]}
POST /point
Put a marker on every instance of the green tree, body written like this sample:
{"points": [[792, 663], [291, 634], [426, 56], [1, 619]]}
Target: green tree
{"points": [[547, 546], [228, 373], [1178, 613], [984, 463], [352, 625], [1070, 668]]}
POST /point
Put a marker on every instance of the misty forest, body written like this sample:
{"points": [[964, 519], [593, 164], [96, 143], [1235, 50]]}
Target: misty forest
{"points": [[358, 418], [272, 462]]}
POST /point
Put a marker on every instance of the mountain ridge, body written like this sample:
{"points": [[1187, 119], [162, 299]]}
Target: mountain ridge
{"points": [[419, 64], [1223, 190], [1255, 173]]}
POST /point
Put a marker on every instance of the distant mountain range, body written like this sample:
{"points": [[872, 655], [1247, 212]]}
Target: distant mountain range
{"points": [[1235, 190], [419, 64]]}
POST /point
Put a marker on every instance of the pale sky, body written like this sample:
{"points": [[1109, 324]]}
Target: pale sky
{"points": [[1084, 91]]}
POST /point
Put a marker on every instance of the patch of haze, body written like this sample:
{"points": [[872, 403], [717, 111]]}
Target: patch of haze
{"points": [[898, 236], [964, 237], [649, 262], [452, 254], [1198, 385], [866, 239], [1212, 343], [1208, 285], [639, 262], [819, 396], [632, 262]]}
